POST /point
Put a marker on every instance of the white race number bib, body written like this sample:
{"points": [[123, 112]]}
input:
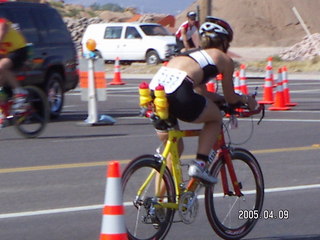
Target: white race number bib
{"points": [[170, 78]]}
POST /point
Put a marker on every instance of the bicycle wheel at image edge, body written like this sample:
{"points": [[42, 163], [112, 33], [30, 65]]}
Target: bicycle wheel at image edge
{"points": [[224, 212], [144, 218], [33, 121]]}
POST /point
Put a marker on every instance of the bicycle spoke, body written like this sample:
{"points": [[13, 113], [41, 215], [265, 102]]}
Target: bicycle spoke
{"points": [[229, 213], [136, 225]]}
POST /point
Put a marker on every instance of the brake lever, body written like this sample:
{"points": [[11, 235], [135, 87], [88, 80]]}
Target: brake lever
{"points": [[263, 112], [255, 92]]}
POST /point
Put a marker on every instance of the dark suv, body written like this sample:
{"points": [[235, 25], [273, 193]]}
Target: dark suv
{"points": [[52, 64]]}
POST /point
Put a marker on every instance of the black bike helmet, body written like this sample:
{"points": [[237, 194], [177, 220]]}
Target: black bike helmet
{"points": [[214, 26]]}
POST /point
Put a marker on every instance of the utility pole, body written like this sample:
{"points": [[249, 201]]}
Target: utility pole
{"points": [[204, 9], [209, 2]]}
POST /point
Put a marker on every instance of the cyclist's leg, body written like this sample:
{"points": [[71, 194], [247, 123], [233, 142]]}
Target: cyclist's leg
{"points": [[12, 62], [189, 106], [6, 75], [179, 45], [211, 117], [191, 43]]}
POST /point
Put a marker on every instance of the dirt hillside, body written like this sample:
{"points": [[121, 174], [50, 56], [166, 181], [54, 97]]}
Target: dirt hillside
{"points": [[256, 23], [264, 23]]}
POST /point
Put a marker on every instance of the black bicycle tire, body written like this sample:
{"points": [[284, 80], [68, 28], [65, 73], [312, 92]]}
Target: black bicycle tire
{"points": [[238, 233], [44, 105], [151, 161]]}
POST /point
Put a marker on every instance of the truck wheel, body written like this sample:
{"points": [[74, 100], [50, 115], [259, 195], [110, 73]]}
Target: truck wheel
{"points": [[152, 58]]}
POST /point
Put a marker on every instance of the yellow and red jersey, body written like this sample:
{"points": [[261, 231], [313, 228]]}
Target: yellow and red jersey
{"points": [[13, 39]]}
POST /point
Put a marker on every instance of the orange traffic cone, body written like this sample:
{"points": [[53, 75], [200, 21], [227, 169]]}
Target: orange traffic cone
{"points": [[211, 86], [113, 223], [117, 74], [286, 90], [236, 82], [269, 65], [279, 103], [243, 79], [268, 87]]}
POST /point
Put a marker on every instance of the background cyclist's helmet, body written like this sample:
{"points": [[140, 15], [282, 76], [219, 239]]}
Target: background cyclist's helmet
{"points": [[192, 15], [214, 26]]}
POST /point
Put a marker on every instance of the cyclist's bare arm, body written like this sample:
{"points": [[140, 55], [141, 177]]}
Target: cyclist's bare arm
{"points": [[226, 67], [185, 39]]}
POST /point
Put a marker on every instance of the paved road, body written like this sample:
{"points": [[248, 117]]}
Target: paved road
{"points": [[52, 188]]}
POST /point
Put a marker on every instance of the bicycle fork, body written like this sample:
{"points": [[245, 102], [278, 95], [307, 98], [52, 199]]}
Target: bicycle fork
{"points": [[226, 156]]}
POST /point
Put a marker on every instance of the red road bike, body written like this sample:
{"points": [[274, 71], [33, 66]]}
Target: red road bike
{"points": [[152, 193], [32, 119]]}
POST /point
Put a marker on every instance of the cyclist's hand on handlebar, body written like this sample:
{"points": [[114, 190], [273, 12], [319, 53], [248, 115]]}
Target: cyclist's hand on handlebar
{"points": [[252, 103], [220, 102]]}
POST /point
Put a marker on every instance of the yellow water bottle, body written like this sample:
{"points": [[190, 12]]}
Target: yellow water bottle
{"points": [[161, 102], [144, 93]]}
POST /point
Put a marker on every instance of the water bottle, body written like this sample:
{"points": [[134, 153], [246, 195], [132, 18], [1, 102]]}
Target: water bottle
{"points": [[161, 102], [144, 93]]}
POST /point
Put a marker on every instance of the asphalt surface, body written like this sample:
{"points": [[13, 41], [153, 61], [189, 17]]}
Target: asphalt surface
{"points": [[52, 187]]}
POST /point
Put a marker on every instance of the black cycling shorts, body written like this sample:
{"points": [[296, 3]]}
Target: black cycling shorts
{"points": [[185, 104], [18, 57]]}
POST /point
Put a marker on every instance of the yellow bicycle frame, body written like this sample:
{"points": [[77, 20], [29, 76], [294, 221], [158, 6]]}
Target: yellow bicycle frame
{"points": [[171, 147]]}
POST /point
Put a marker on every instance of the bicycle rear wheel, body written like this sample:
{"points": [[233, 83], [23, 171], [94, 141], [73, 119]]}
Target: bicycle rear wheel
{"points": [[33, 120], [144, 218], [233, 217]]}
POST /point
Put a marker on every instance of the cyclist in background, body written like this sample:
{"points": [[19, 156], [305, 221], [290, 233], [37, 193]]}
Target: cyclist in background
{"points": [[13, 53], [185, 78], [186, 31]]}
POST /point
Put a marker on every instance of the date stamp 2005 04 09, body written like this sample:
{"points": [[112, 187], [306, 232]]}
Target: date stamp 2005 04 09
{"points": [[281, 214]]}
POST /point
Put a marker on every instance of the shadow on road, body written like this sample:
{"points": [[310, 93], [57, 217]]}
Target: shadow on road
{"points": [[81, 116]]}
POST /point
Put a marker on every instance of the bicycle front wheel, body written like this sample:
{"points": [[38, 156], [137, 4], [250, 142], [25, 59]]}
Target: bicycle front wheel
{"points": [[33, 120], [144, 216], [231, 216]]}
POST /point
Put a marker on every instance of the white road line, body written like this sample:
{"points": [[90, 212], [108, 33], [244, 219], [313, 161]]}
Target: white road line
{"points": [[100, 206], [317, 90], [50, 211]]}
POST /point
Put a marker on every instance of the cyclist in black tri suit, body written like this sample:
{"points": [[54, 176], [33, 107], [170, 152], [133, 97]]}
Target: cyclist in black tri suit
{"points": [[185, 78]]}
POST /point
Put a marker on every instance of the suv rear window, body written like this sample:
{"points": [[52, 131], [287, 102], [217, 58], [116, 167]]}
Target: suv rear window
{"points": [[52, 25]]}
